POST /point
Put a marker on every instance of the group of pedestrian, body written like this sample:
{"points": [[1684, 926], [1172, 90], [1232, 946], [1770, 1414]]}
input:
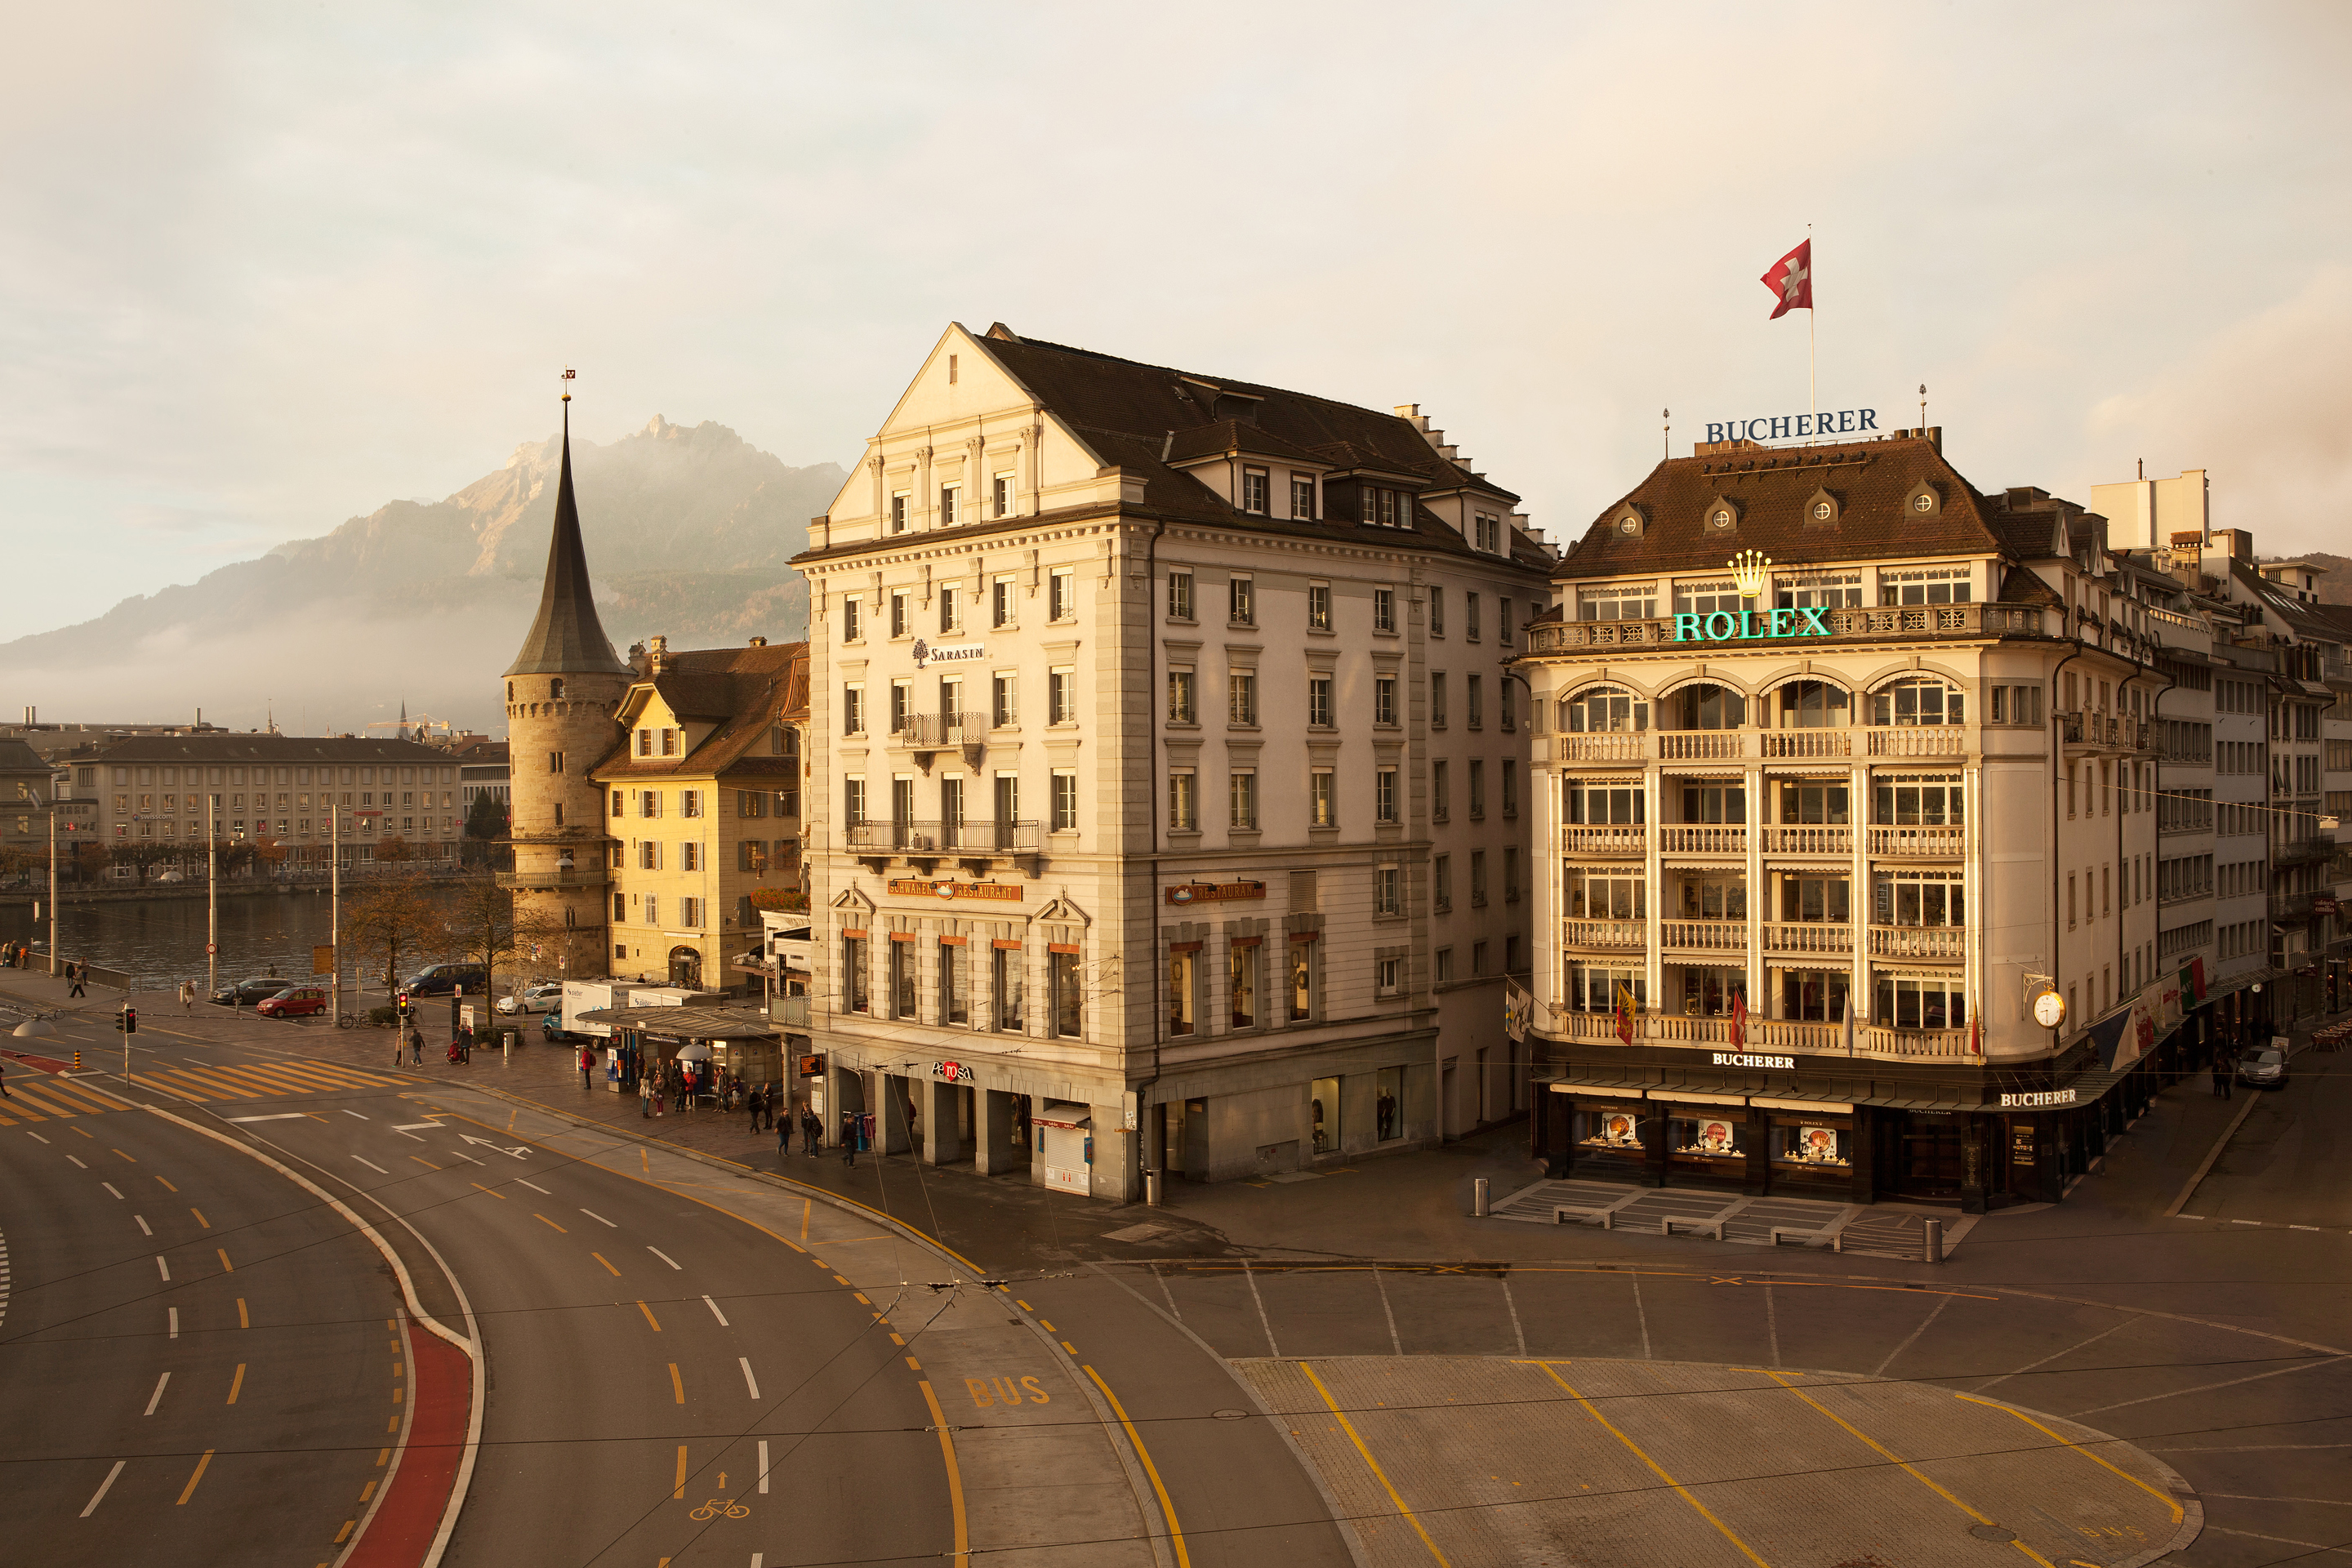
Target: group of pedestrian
{"points": [[13, 954], [810, 1129], [77, 978]]}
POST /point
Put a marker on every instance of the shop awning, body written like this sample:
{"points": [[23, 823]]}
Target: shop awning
{"points": [[685, 1023]]}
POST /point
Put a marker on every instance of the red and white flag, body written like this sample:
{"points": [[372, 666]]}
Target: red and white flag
{"points": [[1739, 1019], [1792, 279]]}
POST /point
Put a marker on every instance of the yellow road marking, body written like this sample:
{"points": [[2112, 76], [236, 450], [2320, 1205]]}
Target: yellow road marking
{"points": [[1069, 1347], [1377, 1474], [345, 1533], [675, 1386], [806, 1204], [236, 1383], [241, 1320], [649, 1312], [126, 1156], [367, 1491], [677, 1489], [226, 1266], [167, 1186], [200, 1217], [544, 1220], [608, 1266], [1166, 1509], [424, 1162], [1888, 1454], [913, 1364], [2171, 1502], [198, 1474], [479, 1188], [1656, 1468]]}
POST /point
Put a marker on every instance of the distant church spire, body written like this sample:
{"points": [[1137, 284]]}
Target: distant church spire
{"points": [[567, 639]]}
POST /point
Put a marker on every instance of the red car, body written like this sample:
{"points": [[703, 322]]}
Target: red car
{"points": [[293, 1002]]}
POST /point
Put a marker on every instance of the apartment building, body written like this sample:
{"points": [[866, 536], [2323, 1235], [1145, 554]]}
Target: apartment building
{"points": [[702, 806], [1847, 830], [1168, 781]]}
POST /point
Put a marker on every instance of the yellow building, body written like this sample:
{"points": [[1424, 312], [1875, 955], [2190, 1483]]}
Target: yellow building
{"points": [[702, 806]]}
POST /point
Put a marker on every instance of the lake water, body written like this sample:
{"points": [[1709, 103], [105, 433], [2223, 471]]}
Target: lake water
{"points": [[160, 941]]}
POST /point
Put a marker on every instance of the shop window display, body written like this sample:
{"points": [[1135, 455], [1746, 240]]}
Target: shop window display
{"points": [[1708, 1137], [1812, 1145], [1610, 1128]]}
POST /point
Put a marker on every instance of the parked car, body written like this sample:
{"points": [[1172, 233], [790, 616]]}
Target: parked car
{"points": [[2263, 1069], [441, 979], [294, 1002], [248, 993], [169, 876], [539, 997]]}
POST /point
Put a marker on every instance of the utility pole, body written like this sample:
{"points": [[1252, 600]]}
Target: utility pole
{"points": [[53, 871], [335, 906], [212, 895]]}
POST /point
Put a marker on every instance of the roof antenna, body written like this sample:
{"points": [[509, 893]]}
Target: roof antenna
{"points": [[1669, 416], [1923, 410]]}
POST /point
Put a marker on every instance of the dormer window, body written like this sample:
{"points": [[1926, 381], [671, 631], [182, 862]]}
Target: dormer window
{"points": [[1722, 515], [1486, 534], [1925, 500], [1630, 523], [1258, 492], [1302, 497]]}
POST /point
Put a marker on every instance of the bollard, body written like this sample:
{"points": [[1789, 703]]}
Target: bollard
{"points": [[1934, 1249], [1479, 1188], [1152, 1188], [77, 1061], [506, 1047]]}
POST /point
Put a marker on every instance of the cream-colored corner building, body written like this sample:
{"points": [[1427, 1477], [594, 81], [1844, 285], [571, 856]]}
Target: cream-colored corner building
{"points": [[1827, 729], [702, 807], [1167, 784]]}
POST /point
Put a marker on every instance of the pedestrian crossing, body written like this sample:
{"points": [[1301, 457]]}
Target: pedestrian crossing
{"points": [[44, 1097]]}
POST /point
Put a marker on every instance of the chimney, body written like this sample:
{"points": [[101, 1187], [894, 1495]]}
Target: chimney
{"points": [[759, 642], [657, 653]]}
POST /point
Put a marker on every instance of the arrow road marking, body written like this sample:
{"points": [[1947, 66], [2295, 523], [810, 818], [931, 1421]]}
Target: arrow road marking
{"points": [[518, 1152]]}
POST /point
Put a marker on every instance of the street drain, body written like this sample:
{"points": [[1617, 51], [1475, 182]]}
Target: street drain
{"points": [[1993, 1533]]}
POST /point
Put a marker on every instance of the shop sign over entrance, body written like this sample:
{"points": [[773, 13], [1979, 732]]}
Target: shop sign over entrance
{"points": [[1738, 1060], [993, 892], [2039, 1098], [1214, 892]]}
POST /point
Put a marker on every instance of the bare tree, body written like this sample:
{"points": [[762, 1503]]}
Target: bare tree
{"points": [[397, 915], [486, 924]]}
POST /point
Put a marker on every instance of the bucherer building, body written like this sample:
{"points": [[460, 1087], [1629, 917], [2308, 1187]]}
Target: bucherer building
{"points": [[1166, 786], [1842, 764]]}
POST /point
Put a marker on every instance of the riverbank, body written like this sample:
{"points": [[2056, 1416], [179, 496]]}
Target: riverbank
{"points": [[230, 888]]}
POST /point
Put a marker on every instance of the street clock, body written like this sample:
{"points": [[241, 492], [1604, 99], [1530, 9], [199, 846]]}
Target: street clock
{"points": [[2050, 1009]]}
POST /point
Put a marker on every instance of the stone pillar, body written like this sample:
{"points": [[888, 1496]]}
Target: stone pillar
{"points": [[991, 1145], [943, 1114], [888, 1099], [844, 1090]]}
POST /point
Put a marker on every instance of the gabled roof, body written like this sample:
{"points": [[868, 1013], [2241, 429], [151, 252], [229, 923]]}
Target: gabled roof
{"points": [[739, 691], [2302, 618], [1772, 492], [567, 639]]}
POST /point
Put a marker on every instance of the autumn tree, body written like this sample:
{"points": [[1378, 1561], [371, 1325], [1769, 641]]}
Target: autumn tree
{"points": [[486, 924], [397, 915]]}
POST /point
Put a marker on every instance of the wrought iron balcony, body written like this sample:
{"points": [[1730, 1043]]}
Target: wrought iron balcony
{"points": [[1889, 623], [547, 878], [934, 732], [918, 839]]}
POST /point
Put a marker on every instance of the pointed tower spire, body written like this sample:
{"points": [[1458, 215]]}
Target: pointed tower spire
{"points": [[567, 639]]}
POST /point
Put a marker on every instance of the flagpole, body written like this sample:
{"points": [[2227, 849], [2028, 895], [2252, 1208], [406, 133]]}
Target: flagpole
{"points": [[1813, 362]]}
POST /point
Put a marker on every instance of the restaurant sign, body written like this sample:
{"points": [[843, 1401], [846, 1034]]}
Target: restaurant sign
{"points": [[988, 892], [1214, 892]]}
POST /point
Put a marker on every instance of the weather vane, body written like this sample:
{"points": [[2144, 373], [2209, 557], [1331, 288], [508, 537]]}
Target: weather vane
{"points": [[568, 375]]}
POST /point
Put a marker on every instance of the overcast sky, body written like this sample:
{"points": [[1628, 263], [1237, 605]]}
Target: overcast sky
{"points": [[263, 269]]}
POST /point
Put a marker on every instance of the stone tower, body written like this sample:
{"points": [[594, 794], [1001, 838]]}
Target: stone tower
{"points": [[561, 693]]}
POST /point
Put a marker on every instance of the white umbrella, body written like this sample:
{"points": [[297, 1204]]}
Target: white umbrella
{"points": [[694, 1051]]}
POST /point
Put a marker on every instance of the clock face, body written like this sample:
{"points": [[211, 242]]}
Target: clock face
{"points": [[2050, 1009]]}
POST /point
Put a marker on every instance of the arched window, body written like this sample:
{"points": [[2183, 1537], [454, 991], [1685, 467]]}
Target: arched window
{"points": [[555, 690], [1815, 705], [1600, 709], [1917, 699], [1707, 706], [509, 690]]}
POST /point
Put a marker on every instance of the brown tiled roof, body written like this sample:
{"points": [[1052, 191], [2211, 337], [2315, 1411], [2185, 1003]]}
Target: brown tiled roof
{"points": [[2305, 619], [233, 747], [1772, 492], [2023, 586], [742, 690]]}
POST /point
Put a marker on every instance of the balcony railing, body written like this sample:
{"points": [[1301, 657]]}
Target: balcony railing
{"points": [[1932, 741], [2103, 730], [1943, 843], [921, 838], [1787, 838], [1764, 1035], [547, 878], [793, 1012], [2290, 906], [1703, 936], [1917, 941], [1633, 934], [1808, 936], [1703, 839], [1916, 621], [963, 727], [1808, 743], [1628, 746], [1693, 746], [1624, 838]]}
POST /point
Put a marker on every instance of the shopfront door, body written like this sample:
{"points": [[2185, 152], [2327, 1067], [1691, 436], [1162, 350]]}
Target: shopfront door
{"points": [[1931, 1156]]}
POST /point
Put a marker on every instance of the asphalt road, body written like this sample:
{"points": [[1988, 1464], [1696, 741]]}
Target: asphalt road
{"points": [[197, 1362], [2285, 1163]]}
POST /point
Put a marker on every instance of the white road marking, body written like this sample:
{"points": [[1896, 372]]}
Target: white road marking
{"points": [[356, 1113], [716, 1313], [2256, 1221], [100, 1495], [2306, 1227], [763, 1464], [30, 1133], [600, 1219], [76, 1161], [157, 1397], [1913, 1337], [749, 1381], [162, 1268], [463, 1156], [109, 1187], [412, 1126], [665, 1257], [144, 1228], [175, 1321], [372, 1165], [281, 1116]]}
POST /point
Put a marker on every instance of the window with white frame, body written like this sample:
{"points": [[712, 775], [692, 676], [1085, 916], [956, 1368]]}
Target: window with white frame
{"points": [[1001, 602], [1066, 800], [1302, 497], [1384, 609], [1242, 796], [1180, 595], [1925, 585], [1257, 490], [1184, 801], [1062, 597], [1487, 531], [1241, 601], [1817, 590], [1000, 487], [1618, 602], [1385, 804], [1318, 606], [951, 505], [1918, 701], [1705, 598], [1388, 891], [1322, 801], [1062, 694], [1318, 701], [901, 506]]}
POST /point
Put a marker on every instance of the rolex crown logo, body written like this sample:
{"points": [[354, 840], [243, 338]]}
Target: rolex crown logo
{"points": [[1752, 571]]}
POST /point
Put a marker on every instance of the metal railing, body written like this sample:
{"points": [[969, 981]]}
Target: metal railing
{"points": [[2103, 730], [941, 837], [793, 1012], [1911, 621], [1873, 1040], [551, 878], [963, 726]]}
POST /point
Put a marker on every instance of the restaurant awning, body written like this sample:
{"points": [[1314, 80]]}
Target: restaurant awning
{"points": [[686, 1023]]}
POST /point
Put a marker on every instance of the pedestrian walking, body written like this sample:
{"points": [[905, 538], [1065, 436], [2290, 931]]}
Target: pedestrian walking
{"points": [[416, 1046], [849, 1140], [783, 1141], [2227, 1074], [752, 1100], [4, 1081], [187, 997], [644, 1097], [77, 974], [587, 1062]]}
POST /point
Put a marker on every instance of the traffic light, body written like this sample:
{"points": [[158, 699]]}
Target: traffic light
{"points": [[403, 1002], [127, 1021]]}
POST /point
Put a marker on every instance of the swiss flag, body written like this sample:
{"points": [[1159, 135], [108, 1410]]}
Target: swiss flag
{"points": [[1792, 279]]}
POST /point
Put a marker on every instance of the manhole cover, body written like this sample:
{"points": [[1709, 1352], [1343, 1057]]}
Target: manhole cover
{"points": [[1231, 1415], [1993, 1533]]}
